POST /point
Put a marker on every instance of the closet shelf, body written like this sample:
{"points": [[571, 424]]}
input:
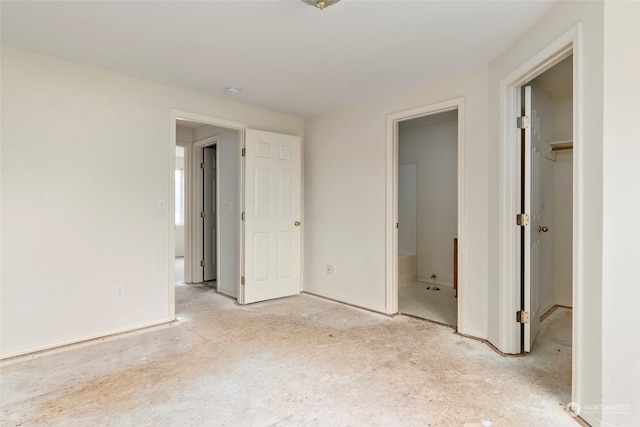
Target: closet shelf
{"points": [[561, 145]]}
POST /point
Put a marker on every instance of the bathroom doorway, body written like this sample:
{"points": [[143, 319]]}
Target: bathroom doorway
{"points": [[427, 195]]}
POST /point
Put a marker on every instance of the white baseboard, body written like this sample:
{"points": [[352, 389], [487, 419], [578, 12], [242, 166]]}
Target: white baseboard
{"points": [[60, 346]]}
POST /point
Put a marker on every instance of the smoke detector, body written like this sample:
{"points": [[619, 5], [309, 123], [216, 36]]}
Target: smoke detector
{"points": [[232, 90]]}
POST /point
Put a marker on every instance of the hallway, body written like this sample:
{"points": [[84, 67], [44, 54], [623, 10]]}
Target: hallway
{"points": [[291, 362]]}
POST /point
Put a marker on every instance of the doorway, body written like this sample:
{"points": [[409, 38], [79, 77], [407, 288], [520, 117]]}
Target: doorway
{"points": [[208, 215], [546, 193], [447, 264], [511, 295], [257, 208], [211, 205], [428, 217]]}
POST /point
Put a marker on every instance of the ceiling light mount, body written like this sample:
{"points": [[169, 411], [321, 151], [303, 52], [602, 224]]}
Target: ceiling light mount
{"points": [[232, 90], [320, 4]]}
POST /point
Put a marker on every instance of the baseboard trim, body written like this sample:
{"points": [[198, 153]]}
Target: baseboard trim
{"points": [[84, 341]]}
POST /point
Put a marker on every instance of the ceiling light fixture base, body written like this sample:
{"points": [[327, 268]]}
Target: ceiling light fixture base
{"points": [[320, 4]]}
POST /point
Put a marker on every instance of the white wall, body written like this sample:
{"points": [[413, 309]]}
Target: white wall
{"points": [[184, 135], [345, 197], [407, 208], [79, 219], [563, 207], [621, 201], [562, 242], [435, 150], [563, 119]]}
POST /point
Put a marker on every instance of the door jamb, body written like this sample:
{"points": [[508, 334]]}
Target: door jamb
{"points": [[188, 148], [391, 253], [174, 115], [509, 279]]}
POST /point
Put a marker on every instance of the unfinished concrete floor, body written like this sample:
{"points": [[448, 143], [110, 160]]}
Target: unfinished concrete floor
{"points": [[300, 361]]}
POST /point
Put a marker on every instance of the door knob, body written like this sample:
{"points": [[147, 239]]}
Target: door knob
{"points": [[297, 223], [543, 229]]}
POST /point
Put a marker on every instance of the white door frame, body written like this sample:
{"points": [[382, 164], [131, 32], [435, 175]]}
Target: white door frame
{"points": [[176, 114], [391, 256], [509, 241]]}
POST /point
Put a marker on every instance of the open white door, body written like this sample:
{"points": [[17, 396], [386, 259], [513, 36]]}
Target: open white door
{"points": [[533, 206], [272, 226], [208, 215]]}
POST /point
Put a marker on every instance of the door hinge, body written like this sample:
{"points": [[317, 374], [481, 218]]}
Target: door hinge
{"points": [[244, 152], [397, 225], [202, 263], [522, 220], [522, 317], [202, 165], [243, 216], [242, 280], [523, 122], [202, 214]]}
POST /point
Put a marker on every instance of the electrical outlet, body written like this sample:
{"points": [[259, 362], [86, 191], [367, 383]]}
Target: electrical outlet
{"points": [[119, 293], [331, 269]]}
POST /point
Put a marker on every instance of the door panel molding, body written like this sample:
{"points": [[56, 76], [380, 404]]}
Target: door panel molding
{"points": [[273, 209]]}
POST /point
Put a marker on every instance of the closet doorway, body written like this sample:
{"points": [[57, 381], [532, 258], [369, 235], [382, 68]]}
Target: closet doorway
{"points": [[546, 195]]}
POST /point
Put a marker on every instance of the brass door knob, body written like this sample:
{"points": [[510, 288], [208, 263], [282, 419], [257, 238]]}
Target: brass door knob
{"points": [[543, 229], [297, 223]]}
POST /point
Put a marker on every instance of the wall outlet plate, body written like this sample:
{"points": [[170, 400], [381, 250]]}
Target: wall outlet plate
{"points": [[119, 293]]}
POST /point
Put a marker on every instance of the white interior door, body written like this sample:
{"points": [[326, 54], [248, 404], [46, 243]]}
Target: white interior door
{"points": [[209, 217], [533, 206], [272, 229]]}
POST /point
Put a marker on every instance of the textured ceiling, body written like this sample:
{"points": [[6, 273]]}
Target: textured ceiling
{"points": [[286, 56]]}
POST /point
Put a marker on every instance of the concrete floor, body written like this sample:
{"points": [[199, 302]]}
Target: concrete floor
{"points": [[300, 361], [441, 306], [179, 270]]}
